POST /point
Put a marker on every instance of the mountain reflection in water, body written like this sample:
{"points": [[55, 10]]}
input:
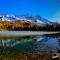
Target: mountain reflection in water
{"points": [[29, 44]]}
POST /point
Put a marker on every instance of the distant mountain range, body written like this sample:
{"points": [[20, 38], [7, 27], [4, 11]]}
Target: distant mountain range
{"points": [[26, 18], [9, 22]]}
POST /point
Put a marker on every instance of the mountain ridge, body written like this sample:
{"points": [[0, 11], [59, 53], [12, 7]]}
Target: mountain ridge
{"points": [[31, 18]]}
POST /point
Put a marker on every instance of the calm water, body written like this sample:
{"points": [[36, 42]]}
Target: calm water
{"points": [[29, 47]]}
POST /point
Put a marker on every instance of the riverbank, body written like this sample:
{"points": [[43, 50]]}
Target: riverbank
{"points": [[24, 33]]}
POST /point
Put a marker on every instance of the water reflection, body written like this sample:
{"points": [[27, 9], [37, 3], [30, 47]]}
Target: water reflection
{"points": [[17, 45], [11, 42], [31, 42]]}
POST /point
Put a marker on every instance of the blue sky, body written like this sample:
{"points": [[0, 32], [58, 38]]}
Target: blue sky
{"points": [[49, 9]]}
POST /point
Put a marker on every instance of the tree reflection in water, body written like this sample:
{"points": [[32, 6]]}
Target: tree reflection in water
{"points": [[36, 46]]}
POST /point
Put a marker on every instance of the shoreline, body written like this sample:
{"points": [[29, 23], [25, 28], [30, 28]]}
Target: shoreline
{"points": [[24, 33]]}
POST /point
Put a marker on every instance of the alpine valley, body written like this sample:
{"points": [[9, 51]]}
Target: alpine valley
{"points": [[9, 22]]}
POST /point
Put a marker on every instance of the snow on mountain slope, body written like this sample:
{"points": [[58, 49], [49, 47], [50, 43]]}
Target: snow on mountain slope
{"points": [[36, 19]]}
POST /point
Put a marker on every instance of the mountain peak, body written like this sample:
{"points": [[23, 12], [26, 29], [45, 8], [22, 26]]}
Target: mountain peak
{"points": [[28, 17]]}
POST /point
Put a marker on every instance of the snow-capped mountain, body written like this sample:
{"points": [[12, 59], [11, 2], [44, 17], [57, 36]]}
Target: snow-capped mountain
{"points": [[36, 19], [6, 17]]}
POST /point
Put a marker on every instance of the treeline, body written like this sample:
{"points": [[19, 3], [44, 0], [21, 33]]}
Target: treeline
{"points": [[28, 26]]}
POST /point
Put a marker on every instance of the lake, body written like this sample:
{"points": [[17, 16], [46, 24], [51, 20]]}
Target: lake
{"points": [[33, 47]]}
